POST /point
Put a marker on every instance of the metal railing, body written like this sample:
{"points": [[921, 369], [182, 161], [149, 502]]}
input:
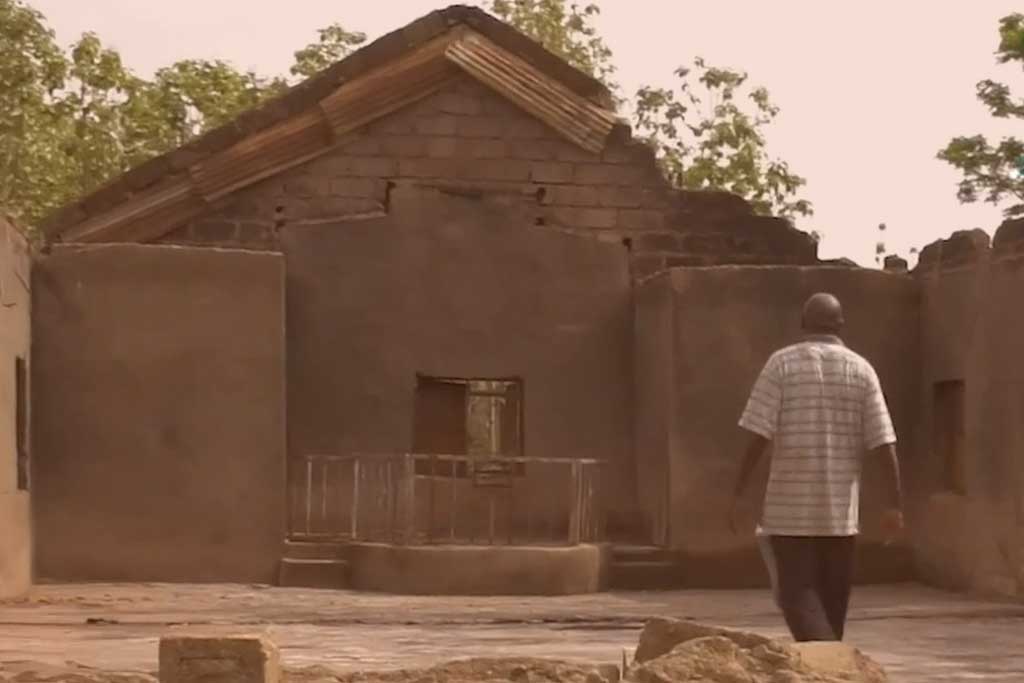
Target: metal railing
{"points": [[451, 499]]}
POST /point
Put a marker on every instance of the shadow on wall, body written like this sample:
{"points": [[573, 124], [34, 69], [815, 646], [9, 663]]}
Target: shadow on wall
{"points": [[724, 323]]}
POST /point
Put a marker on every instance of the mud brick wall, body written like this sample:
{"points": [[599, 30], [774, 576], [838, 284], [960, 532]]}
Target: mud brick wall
{"points": [[158, 414], [962, 248], [15, 345], [470, 141], [970, 248], [972, 332]]}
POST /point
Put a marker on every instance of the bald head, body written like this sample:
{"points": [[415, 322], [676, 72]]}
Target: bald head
{"points": [[823, 314]]}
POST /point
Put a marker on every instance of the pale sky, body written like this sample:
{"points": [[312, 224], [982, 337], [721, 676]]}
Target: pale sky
{"points": [[869, 90]]}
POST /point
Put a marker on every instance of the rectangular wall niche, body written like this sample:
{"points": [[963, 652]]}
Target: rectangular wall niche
{"points": [[948, 434], [474, 417]]}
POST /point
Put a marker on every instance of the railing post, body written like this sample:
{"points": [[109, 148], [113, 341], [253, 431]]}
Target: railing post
{"points": [[584, 499], [454, 480], [407, 503], [433, 504], [510, 507], [391, 500], [574, 509], [309, 494], [490, 521], [356, 475], [325, 470]]}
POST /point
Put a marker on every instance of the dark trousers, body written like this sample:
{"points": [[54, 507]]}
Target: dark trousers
{"points": [[814, 575]]}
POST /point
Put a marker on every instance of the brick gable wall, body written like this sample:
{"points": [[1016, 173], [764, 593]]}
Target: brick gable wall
{"points": [[469, 140]]}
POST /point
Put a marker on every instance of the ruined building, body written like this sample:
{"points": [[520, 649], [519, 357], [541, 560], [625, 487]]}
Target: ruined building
{"points": [[432, 321]]}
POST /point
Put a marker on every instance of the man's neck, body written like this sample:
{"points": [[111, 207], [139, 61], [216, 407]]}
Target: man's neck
{"points": [[823, 337]]}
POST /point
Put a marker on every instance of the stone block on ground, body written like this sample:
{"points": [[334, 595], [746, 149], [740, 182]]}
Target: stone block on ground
{"points": [[208, 659], [672, 650]]}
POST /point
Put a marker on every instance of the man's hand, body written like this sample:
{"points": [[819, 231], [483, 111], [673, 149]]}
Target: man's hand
{"points": [[892, 518], [892, 525]]}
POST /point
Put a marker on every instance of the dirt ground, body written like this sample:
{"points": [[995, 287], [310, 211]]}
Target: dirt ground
{"points": [[916, 633]]}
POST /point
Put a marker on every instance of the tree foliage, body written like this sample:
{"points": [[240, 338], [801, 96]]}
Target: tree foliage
{"points": [[70, 120], [198, 95], [334, 44], [564, 28], [994, 171], [709, 134], [32, 69]]}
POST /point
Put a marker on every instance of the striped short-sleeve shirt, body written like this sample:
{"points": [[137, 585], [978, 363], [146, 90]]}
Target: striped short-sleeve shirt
{"points": [[822, 407]]}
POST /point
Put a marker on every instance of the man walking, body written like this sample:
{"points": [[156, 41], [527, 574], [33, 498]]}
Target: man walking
{"points": [[820, 407]]}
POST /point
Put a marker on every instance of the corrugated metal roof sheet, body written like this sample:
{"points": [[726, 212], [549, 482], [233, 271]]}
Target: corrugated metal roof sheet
{"points": [[575, 117], [389, 88], [262, 155], [175, 197]]}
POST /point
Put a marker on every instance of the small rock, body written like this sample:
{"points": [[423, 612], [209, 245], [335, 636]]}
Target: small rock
{"points": [[519, 673], [840, 659]]}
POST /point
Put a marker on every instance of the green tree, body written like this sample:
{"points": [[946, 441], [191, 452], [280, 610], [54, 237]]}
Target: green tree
{"points": [[95, 113], [334, 44], [704, 138], [709, 135], [564, 28], [32, 69], [994, 171], [70, 121], [194, 96]]}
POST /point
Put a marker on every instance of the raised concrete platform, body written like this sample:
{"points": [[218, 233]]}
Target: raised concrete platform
{"points": [[479, 570], [308, 564], [15, 545]]}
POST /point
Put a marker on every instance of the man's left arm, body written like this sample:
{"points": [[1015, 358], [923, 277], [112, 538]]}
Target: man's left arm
{"points": [[880, 441]]}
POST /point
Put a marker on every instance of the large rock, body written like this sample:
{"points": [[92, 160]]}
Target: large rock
{"points": [[671, 651]]}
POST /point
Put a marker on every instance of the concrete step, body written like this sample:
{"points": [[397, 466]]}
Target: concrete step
{"points": [[313, 550], [645, 575], [641, 553], [305, 573]]}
